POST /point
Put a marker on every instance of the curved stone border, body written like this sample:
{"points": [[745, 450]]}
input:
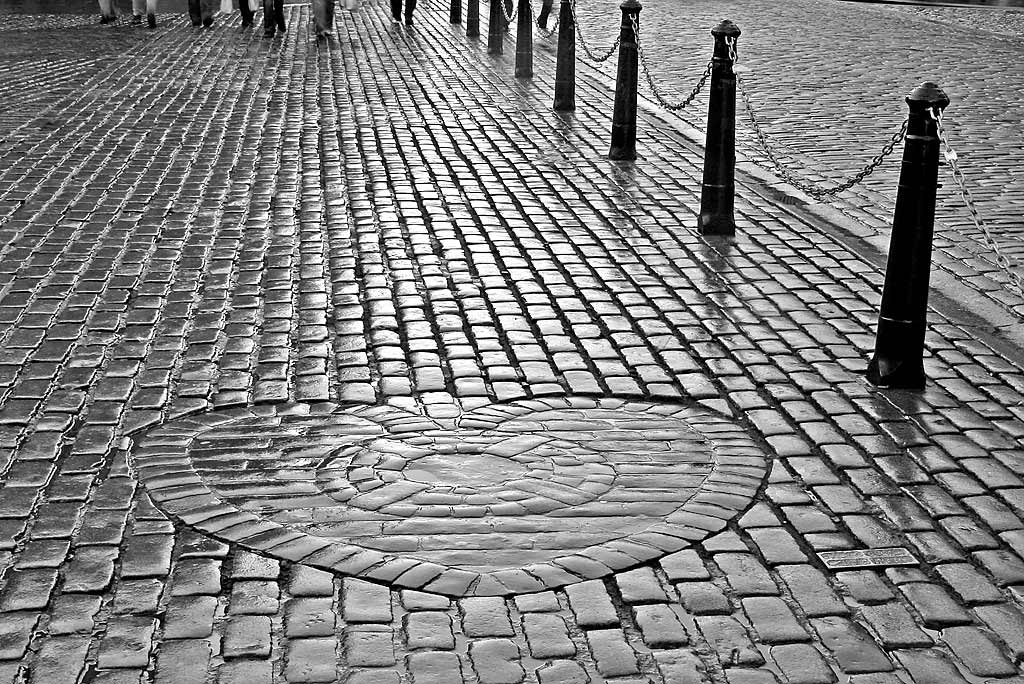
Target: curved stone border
{"points": [[161, 462]]}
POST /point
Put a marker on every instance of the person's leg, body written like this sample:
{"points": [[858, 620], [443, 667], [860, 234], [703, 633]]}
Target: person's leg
{"points": [[246, 11], [107, 11], [268, 18], [545, 11], [151, 13], [410, 6], [279, 14], [396, 10], [138, 9]]}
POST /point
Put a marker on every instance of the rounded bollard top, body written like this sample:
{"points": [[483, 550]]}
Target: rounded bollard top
{"points": [[631, 5], [927, 95], [726, 28]]}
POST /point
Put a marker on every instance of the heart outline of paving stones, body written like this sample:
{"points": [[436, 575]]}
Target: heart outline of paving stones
{"points": [[505, 499]]}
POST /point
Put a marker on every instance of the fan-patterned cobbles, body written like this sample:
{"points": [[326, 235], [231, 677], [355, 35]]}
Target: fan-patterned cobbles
{"points": [[503, 499]]}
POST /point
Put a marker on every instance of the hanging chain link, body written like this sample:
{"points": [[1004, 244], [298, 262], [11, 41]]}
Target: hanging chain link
{"points": [[508, 17], [1003, 261], [583, 41], [543, 31], [658, 94], [786, 174], [554, 29]]}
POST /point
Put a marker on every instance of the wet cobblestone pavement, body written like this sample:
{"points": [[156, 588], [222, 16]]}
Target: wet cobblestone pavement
{"points": [[287, 325], [828, 104]]}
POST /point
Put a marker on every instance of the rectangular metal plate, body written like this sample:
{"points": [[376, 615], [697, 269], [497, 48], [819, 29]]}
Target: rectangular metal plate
{"points": [[867, 558]]}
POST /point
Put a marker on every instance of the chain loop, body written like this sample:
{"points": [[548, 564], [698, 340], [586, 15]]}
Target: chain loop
{"points": [[788, 175], [554, 29], [543, 31], [508, 17], [659, 96], [583, 41], [1003, 261]]}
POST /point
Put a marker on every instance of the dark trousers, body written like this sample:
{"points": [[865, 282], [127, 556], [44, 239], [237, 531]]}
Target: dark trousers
{"points": [[545, 10], [396, 9]]}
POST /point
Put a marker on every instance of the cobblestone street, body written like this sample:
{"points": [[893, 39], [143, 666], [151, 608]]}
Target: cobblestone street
{"points": [[828, 89], [352, 361]]}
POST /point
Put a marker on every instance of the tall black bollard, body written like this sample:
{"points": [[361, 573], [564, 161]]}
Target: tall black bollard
{"points": [[473, 19], [899, 344], [718, 187], [455, 12], [496, 28], [624, 115], [565, 64], [524, 41]]}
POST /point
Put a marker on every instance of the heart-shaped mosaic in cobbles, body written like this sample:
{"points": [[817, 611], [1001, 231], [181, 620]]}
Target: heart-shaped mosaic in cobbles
{"points": [[506, 499]]}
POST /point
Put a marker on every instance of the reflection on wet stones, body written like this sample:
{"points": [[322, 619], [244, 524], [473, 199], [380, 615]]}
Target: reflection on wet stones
{"points": [[534, 493]]}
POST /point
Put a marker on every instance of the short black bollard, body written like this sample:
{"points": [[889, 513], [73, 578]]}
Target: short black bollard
{"points": [[624, 116], [565, 64], [455, 12], [473, 19], [899, 343], [496, 28], [718, 187], [524, 41]]}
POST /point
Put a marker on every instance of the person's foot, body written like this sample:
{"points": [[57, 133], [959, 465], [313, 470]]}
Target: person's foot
{"points": [[542, 22], [207, 21], [136, 18], [246, 23], [106, 19], [151, 20], [408, 21], [396, 18]]}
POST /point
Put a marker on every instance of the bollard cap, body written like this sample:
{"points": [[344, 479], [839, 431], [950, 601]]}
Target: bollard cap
{"points": [[927, 95], [631, 5], [727, 29]]}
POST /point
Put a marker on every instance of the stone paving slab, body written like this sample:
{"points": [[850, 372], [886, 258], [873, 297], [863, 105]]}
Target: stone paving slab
{"points": [[391, 222]]}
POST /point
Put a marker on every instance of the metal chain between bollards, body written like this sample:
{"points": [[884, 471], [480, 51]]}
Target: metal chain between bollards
{"points": [[508, 17], [658, 95], [583, 41], [1002, 259], [554, 29], [786, 174]]}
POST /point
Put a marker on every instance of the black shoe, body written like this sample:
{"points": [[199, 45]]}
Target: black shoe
{"points": [[396, 18], [136, 18], [408, 21], [151, 20]]}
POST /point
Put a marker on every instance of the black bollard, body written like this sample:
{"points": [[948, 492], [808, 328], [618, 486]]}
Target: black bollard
{"points": [[899, 343], [455, 12], [624, 116], [473, 19], [718, 187], [524, 41], [496, 29], [565, 64]]}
